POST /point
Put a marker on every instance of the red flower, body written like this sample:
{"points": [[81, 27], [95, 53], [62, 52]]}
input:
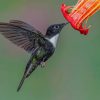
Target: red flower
{"points": [[79, 13]]}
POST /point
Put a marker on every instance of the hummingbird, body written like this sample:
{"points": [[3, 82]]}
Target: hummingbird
{"points": [[41, 47]]}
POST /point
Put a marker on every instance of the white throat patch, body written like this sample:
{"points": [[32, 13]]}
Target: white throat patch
{"points": [[54, 40]]}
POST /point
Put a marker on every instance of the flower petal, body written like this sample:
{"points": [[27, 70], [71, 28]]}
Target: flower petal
{"points": [[67, 16], [79, 13]]}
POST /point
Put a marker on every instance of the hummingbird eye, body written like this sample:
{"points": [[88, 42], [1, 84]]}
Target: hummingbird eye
{"points": [[56, 27]]}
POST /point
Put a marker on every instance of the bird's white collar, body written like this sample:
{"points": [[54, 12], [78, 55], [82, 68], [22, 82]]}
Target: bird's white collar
{"points": [[54, 40]]}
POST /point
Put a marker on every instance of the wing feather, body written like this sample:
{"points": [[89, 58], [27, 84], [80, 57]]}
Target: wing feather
{"points": [[21, 34]]}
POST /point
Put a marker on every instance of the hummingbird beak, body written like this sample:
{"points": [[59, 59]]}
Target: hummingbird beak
{"points": [[64, 24]]}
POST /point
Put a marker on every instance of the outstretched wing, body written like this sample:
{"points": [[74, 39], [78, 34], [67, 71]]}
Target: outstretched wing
{"points": [[21, 34]]}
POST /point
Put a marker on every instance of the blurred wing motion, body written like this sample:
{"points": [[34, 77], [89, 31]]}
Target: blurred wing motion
{"points": [[21, 34]]}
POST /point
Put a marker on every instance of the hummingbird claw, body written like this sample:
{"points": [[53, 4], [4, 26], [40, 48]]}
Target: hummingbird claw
{"points": [[43, 64]]}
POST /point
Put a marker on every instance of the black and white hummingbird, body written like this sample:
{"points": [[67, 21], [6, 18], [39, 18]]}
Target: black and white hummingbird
{"points": [[41, 47]]}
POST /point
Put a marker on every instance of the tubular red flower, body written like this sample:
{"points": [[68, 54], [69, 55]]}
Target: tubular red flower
{"points": [[79, 13]]}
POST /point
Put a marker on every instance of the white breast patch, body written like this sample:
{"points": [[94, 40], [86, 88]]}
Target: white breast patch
{"points": [[54, 40]]}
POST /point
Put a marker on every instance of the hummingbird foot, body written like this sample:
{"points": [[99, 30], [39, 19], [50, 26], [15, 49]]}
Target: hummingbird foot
{"points": [[43, 64]]}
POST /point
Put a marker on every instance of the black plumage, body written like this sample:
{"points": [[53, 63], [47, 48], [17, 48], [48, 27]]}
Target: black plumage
{"points": [[33, 41], [21, 34]]}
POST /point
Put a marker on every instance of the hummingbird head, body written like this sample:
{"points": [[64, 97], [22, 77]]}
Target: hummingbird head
{"points": [[54, 29]]}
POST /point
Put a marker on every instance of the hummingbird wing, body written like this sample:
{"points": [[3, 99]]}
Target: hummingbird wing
{"points": [[21, 34]]}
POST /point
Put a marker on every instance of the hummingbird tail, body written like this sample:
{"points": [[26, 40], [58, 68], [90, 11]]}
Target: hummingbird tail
{"points": [[30, 67], [21, 83]]}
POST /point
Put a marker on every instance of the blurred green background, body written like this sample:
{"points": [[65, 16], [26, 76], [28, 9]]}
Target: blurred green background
{"points": [[73, 73]]}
